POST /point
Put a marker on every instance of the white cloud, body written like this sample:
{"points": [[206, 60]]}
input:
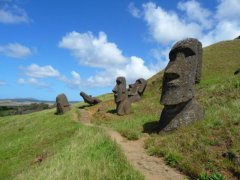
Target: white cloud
{"points": [[93, 51], [161, 55], [15, 50], [32, 81], [133, 10], [36, 71], [166, 27], [133, 70], [196, 12], [75, 82], [2, 82], [13, 15], [224, 30], [98, 52], [228, 9]]}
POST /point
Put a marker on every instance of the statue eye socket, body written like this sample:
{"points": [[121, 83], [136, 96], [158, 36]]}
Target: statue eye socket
{"points": [[186, 51]]}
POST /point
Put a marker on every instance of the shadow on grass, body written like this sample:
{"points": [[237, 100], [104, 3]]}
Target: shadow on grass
{"points": [[112, 111], [84, 106], [151, 127]]}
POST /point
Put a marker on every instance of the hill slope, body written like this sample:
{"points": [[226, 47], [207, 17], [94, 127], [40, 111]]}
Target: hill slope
{"points": [[43, 145], [48, 146], [197, 149]]}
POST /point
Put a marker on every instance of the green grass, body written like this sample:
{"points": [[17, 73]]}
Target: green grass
{"points": [[68, 150], [196, 149]]}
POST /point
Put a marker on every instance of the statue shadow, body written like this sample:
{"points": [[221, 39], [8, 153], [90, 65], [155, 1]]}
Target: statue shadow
{"points": [[84, 106], [151, 127], [112, 111]]}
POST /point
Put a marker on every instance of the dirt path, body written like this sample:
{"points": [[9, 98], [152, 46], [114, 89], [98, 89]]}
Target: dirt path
{"points": [[151, 167]]}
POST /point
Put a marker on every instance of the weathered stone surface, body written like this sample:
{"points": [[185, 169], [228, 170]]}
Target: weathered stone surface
{"points": [[121, 97], [237, 72], [180, 75], [62, 104], [89, 99], [136, 90]]}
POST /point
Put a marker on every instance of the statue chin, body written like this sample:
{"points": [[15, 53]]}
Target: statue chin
{"points": [[180, 114], [176, 96]]}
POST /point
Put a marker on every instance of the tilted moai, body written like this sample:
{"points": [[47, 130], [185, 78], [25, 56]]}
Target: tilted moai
{"points": [[121, 97], [136, 90], [178, 93], [62, 104], [89, 99]]}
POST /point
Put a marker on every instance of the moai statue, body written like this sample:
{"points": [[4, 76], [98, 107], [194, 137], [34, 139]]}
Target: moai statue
{"points": [[136, 90], [89, 99], [62, 104], [178, 93], [121, 97]]}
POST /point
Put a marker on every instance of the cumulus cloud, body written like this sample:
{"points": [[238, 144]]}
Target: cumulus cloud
{"points": [[160, 54], [15, 50], [32, 81], [196, 12], [75, 82], [99, 52], [132, 70], [36, 71], [92, 51], [166, 27], [133, 10], [228, 9], [13, 15]]}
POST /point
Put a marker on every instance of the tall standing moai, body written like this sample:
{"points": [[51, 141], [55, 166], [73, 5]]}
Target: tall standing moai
{"points": [[62, 104], [178, 94], [121, 97]]}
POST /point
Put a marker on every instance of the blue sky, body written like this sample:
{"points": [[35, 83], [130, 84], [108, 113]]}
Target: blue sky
{"points": [[52, 47]]}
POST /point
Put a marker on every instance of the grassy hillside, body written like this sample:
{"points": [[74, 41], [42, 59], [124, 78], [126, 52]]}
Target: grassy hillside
{"points": [[43, 145], [197, 149]]}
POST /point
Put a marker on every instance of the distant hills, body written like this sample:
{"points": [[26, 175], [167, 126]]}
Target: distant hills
{"points": [[25, 101]]}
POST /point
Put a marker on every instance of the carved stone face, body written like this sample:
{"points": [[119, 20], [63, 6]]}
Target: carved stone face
{"points": [[120, 89], [89, 99], [181, 72], [138, 87], [62, 104]]}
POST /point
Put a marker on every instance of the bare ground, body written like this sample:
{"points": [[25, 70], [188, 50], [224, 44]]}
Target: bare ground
{"points": [[153, 168]]}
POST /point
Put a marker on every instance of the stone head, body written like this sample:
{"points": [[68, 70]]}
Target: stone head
{"points": [[138, 87], [82, 94], [120, 91], [62, 103], [182, 72]]}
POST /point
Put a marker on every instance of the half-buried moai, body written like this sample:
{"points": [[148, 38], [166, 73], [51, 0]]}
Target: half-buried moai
{"points": [[178, 94], [136, 90], [121, 97], [89, 99], [62, 104]]}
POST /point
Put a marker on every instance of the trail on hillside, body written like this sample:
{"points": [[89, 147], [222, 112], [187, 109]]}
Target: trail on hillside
{"points": [[153, 168]]}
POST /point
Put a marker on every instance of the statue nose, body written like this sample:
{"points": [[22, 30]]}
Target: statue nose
{"points": [[171, 68]]}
